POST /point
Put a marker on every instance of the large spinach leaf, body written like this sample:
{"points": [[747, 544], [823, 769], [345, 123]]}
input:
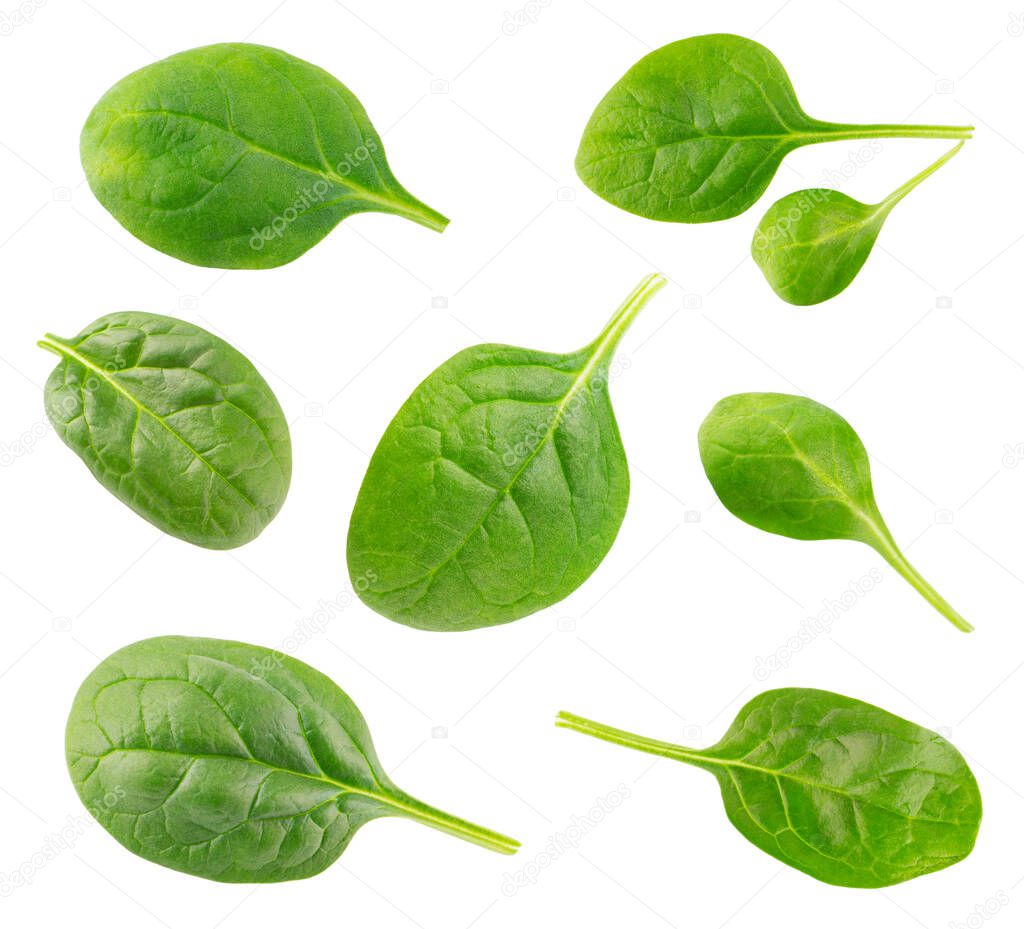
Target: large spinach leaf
{"points": [[175, 423], [238, 156], [694, 131], [840, 789], [498, 488], [794, 467], [811, 244], [232, 762]]}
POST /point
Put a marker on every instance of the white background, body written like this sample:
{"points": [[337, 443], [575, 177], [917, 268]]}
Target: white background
{"points": [[924, 355]]}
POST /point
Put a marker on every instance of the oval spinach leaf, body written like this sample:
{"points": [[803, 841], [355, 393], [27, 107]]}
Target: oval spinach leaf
{"points": [[791, 466], [238, 156], [232, 762], [839, 789], [811, 244], [694, 131], [175, 423], [498, 488]]}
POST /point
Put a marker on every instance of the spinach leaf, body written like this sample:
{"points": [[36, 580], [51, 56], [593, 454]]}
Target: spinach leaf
{"points": [[232, 762], [498, 488], [839, 789], [811, 244], [175, 423], [694, 131], [794, 467], [238, 156]]}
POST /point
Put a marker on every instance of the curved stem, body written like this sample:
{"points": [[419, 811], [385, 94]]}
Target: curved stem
{"points": [[900, 192], [409, 207], [604, 345], [412, 808], [589, 727], [885, 545]]}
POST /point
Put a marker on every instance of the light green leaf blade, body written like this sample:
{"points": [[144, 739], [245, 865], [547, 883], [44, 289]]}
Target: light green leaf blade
{"points": [[791, 466], [837, 788], [238, 156], [497, 489]]}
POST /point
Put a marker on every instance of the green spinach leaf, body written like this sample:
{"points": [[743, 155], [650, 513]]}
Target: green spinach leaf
{"points": [[232, 762], [695, 131], [238, 156], [839, 789], [498, 488], [794, 467], [175, 423], [812, 243]]}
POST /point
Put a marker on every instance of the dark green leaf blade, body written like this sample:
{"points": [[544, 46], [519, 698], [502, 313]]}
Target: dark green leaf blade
{"points": [[695, 131], [175, 422], [231, 762], [842, 790], [238, 156], [811, 244], [794, 467], [497, 489]]}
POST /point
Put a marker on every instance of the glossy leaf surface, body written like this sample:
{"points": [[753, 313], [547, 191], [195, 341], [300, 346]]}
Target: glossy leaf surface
{"points": [[238, 156], [695, 131], [812, 243], [174, 422], [497, 489], [232, 762], [791, 466], [839, 789]]}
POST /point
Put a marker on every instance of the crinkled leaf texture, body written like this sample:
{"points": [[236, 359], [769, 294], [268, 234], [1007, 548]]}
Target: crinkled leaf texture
{"points": [[175, 423], [497, 489], [231, 762], [695, 131], [840, 789], [238, 156]]}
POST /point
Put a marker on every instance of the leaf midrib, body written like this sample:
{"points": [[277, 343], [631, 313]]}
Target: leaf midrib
{"points": [[61, 348], [385, 799]]}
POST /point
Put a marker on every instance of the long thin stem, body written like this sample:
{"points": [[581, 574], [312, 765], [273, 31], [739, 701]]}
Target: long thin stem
{"points": [[589, 727], [454, 825], [844, 131], [885, 545], [900, 192], [603, 346]]}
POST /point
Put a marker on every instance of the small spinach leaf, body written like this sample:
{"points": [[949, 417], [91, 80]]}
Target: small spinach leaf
{"points": [[811, 244], [175, 423], [695, 131], [839, 789], [232, 762], [794, 467], [238, 156], [498, 488]]}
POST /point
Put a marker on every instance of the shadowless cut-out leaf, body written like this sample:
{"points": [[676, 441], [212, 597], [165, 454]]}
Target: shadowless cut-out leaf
{"points": [[695, 131], [812, 243], [791, 466], [232, 762], [498, 488], [238, 156], [175, 423], [839, 789]]}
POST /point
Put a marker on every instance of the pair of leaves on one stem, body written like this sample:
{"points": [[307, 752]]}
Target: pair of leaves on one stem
{"points": [[694, 133], [501, 483], [238, 156], [837, 788], [232, 762]]}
